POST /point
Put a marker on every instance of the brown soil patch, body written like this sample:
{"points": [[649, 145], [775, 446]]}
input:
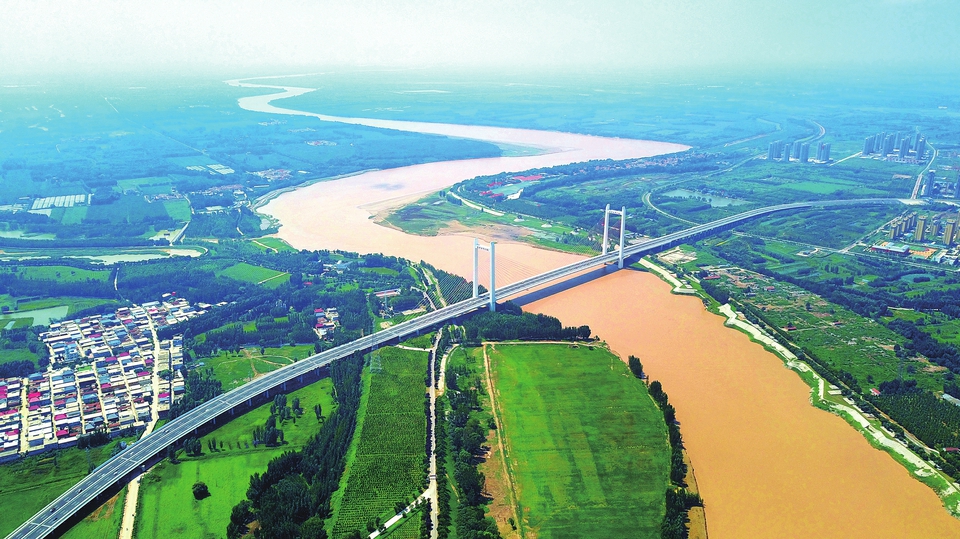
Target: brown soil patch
{"points": [[698, 516], [105, 511], [497, 487]]}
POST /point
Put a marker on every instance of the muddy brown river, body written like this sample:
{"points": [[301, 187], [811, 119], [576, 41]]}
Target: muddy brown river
{"points": [[768, 463]]}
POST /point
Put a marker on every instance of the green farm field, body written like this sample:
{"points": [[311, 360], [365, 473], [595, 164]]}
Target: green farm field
{"points": [[255, 274], [29, 484], [588, 447], [386, 464], [167, 506]]}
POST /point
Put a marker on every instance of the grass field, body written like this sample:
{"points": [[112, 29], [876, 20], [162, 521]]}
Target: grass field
{"points": [[31, 483], [63, 274], [73, 304], [421, 341], [167, 505], [387, 464], [381, 271], [588, 447], [74, 215], [234, 370], [103, 523], [255, 274], [272, 243], [178, 210]]}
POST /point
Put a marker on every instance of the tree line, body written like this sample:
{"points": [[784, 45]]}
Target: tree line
{"points": [[462, 436], [509, 322], [292, 498]]}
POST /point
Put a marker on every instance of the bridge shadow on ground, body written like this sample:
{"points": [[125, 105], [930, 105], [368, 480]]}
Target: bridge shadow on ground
{"points": [[574, 282]]}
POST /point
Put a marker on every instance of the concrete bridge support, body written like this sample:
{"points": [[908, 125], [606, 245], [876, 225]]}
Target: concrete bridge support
{"points": [[606, 229], [493, 270]]}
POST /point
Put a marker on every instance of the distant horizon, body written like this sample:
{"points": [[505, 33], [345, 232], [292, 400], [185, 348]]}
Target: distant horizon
{"points": [[46, 37], [452, 74]]}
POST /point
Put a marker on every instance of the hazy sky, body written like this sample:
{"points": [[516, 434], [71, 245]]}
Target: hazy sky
{"points": [[42, 35]]}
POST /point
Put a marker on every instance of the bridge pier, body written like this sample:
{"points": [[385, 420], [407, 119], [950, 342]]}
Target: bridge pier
{"points": [[606, 230], [493, 270]]}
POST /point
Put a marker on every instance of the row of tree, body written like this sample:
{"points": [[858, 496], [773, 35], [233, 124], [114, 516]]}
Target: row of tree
{"points": [[292, 498], [509, 322], [463, 438], [678, 500]]}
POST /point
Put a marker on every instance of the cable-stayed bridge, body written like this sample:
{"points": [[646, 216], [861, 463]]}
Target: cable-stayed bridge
{"points": [[120, 468]]}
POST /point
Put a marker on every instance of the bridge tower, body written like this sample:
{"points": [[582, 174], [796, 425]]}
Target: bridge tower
{"points": [[606, 229], [476, 265]]}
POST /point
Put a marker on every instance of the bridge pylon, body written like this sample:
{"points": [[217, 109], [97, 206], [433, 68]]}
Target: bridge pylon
{"points": [[493, 270], [606, 229]]}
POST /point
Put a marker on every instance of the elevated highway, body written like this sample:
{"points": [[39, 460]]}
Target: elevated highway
{"points": [[120, 468]]}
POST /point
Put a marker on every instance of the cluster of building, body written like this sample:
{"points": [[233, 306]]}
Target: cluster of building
{"points": [[65, 201], [108, 374], [327, 321], [925, 229], [903, 148], [799, 151], [127, 330]]}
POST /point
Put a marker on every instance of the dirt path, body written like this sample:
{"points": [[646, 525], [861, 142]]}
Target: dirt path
{"points": [[133, 487], [500, 452], [274, 277]]}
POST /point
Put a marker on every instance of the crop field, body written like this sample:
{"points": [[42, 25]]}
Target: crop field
{"points": [[103, 523], [167, 505], [387, 466], [127, 209], [588, 447], [841, 338], [31, 483], [254, 274], [408, 528]]}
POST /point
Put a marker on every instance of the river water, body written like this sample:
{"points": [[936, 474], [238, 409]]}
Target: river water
{"points": [[768, 464]]}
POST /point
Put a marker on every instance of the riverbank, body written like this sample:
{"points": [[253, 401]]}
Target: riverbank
{"points": [[878, 437]]}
